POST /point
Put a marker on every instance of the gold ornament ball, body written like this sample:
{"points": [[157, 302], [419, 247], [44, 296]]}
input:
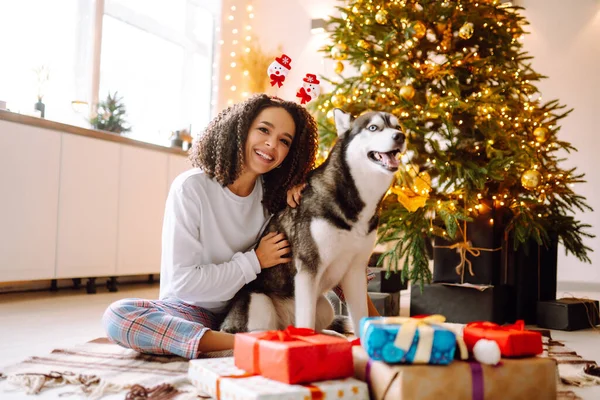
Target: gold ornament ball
{"points": [[434, 100], [381, 17], [541, 134], [363, 44], [367, 69], [339, 67], [407, 91], [338, 100], [420, 30], [531, 179], [466, 31], [338, 51]]}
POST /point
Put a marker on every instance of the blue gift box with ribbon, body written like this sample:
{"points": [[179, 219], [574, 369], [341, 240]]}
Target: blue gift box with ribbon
{"points": [[399, 340]]}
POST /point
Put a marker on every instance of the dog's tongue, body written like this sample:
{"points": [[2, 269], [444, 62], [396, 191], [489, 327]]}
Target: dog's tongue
{"points": [[389, 160]]}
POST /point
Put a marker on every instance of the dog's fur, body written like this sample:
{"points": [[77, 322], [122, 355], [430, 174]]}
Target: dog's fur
{"points": [[332, 233]]}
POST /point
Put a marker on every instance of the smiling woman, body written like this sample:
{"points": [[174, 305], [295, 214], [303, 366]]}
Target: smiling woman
{"points": [[270, 128], [269, 140]]}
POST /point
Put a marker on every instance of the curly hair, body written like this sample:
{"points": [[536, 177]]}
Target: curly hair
{"points": [[219, 151]]}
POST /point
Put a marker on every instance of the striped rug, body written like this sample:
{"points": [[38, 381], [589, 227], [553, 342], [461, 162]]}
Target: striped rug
{"points": [[573, 370], [100, 369]]}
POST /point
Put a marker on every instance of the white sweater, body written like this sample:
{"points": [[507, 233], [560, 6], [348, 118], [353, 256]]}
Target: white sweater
{"points": [[208, 234]]}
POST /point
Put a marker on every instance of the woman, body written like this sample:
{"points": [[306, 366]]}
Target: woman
{"points": [[251, 159]]}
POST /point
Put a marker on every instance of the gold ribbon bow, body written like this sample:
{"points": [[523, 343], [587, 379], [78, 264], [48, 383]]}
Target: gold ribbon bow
{"points": [[424, 326], [462, 248]]}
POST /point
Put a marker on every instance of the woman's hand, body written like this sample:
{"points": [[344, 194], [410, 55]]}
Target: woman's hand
{"points": [[271, 249], [294, 195]]}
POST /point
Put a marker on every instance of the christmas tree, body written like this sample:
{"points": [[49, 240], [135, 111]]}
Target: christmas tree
{"points": [[110, 115], [479, 135]]}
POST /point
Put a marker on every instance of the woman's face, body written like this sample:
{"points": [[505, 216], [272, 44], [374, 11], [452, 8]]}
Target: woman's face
{"points": [[269, 140]]}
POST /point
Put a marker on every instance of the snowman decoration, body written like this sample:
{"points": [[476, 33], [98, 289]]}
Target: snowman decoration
{"points": [[310, 89], [279, 69]]}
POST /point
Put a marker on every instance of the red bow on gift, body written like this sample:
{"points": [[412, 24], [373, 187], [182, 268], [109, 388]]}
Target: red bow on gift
{"points": [[518, 326], [287, 335], [514, 340], [305, 97], [277, 79]]}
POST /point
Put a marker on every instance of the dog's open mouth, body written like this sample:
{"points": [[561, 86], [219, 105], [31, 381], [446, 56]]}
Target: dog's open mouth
{"points": [[387, 160]]}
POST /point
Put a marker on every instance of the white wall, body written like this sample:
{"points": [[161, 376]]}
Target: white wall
{"points": [[565, 44], [280, 24], [564, 40]]}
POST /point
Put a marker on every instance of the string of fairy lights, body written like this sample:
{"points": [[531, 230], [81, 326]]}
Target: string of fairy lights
{"points": [[238, 22]]}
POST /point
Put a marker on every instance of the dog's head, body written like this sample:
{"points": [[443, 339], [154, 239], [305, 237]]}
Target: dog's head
{"points": [[375, 135]]}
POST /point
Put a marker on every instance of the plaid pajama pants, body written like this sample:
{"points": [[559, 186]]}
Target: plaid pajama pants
{"points": [[165, 326], [159, 326]]}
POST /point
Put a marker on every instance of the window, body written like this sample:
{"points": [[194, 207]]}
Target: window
{"points": [[42, 36], [157, 54]]}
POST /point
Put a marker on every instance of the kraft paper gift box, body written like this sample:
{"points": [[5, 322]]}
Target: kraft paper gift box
{"points": [[294, 355], [222, 380], [520, 379]]}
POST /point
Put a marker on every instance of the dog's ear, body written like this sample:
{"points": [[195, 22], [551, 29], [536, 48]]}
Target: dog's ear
{"points": [[342, 121]]}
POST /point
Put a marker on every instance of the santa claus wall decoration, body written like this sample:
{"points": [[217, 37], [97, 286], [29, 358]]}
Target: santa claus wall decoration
{"points": [[279, 69], [310, 89]]}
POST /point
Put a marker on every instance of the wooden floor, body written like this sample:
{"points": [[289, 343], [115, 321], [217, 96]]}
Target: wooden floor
{"points": [[36, 323]]}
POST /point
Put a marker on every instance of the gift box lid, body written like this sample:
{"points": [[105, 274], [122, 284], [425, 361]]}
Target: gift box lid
{"points": [[294, 355], [306, 341]]}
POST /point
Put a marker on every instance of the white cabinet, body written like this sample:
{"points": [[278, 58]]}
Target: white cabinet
{"points": [[177, 165], [88, 207], [29, 176], [78, 204], [142, 195]]}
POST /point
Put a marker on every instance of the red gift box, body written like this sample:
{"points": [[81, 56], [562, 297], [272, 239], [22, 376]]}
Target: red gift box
{"points": [[295, 355], [513, 340]]}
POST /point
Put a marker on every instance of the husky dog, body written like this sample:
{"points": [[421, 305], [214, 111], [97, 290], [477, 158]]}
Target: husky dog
{"points": [[332, 233]]}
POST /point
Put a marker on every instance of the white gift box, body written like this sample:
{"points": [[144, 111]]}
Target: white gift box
{"points": [[207, 374]]}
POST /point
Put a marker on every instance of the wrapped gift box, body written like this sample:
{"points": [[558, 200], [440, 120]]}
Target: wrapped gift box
{"points": [[487, 266], [222, 380], [513, 340], [408, 341], [531, 273], [462, 303], [386, 284], [522, 379], [294, 355], [568, 314]]}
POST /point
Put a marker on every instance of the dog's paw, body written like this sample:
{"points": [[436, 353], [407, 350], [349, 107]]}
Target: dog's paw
{"points": [[333, 333], [231, 328]]}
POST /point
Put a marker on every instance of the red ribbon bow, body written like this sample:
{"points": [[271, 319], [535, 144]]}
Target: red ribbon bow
{"points": [[305, 97], [519, 326], [289, 334], [277, 79]]}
